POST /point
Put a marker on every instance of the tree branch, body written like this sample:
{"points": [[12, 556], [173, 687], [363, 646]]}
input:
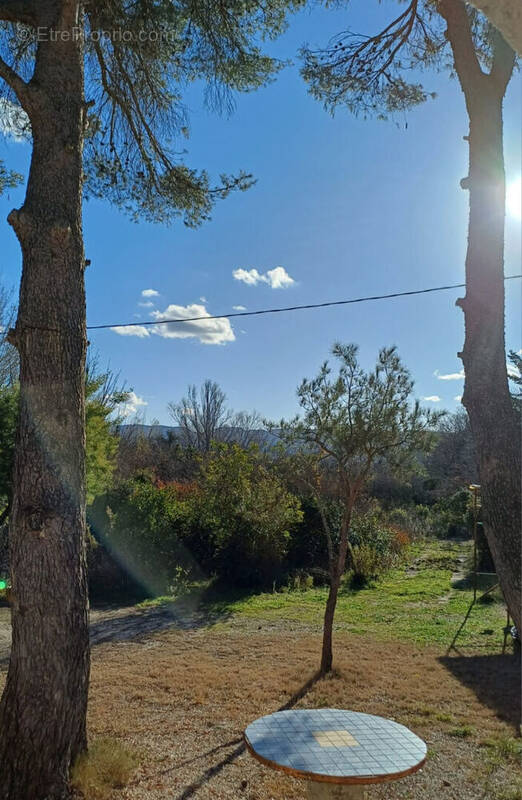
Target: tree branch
{"points": [[23, 11], [506, 15], [460, 38], [503, 63], [17, 84]]}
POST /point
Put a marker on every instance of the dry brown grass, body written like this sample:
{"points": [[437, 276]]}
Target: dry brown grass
{"points": [[184, 699], [108, 765], [181, 699]]}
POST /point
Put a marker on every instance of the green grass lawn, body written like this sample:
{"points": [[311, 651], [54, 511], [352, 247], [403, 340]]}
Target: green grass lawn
{"points": [[417, 602]]}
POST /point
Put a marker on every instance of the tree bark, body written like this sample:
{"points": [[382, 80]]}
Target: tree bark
{"points": [[331, 603], [43, 707], [494, 424], [506, 16]]}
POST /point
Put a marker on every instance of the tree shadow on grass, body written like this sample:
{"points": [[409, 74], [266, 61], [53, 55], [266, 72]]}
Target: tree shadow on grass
{"points": [[495, 680], [484, 581], [215, 769]]}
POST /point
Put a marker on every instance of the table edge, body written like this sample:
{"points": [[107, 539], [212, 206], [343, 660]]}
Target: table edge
{"points": [[338, 779]]}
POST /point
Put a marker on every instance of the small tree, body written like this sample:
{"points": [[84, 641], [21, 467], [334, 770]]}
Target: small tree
{"points": [[349, 423], [204, 418]]}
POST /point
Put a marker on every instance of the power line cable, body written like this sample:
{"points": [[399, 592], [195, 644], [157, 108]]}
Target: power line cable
{"points": [[286, 308]]}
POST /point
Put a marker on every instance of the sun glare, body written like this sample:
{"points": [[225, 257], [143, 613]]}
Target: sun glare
{"points": [[514, 198]]}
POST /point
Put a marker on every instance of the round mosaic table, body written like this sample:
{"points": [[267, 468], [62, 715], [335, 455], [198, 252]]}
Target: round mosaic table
{"points": [[336, 751]]}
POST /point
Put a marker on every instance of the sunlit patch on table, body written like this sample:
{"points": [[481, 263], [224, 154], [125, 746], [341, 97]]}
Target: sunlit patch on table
{"points": [[335, 739]]}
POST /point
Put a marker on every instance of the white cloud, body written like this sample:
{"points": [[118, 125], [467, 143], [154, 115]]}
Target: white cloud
{"points": [[148, 304], [131, 330], [239, 308], [14, 122], [134, 402], [203, 300], [249, 276], [277, 278], [432, 398], [207, 331], [458, 398], [450, 376], [512, 371], [150, 293]]}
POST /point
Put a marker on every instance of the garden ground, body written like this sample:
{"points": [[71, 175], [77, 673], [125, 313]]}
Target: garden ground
{"points": [[178, 682]]}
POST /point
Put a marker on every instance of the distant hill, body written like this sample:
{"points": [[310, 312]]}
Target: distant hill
{"points": [[260, 436]]}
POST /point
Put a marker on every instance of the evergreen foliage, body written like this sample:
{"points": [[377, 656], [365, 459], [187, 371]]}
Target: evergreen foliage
{"points": [[141, 58], [377, 74]]}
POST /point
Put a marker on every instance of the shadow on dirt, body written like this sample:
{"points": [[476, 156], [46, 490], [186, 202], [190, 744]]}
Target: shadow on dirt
{"points": [[136, 622], [215, 769], [495, 679]]}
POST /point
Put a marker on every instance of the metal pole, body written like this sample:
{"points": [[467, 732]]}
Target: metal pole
{"points": [[474, 488]]}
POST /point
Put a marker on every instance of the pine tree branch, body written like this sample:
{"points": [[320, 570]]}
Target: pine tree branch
{"points": [[506, 16], [22, 11], [460, 38], [504, 58], [16, 83]]}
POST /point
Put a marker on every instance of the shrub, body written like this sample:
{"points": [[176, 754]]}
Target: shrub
{"points": [[307, 543], [247, 514], [300, 581], [415, 520], [142, 526], [375, 547], [106, 766], [451, 516]]}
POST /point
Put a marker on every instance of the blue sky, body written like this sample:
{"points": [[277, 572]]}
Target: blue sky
{"points": [[346, 207]]}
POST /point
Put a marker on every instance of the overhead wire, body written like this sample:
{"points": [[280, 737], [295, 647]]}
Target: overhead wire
{"points": [[284, 309]]}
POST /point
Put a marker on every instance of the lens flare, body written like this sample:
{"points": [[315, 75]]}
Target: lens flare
{"points": [[514, 198]]}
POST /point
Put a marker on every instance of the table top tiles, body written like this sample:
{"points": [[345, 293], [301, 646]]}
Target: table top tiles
{"points": [[335, 746]]}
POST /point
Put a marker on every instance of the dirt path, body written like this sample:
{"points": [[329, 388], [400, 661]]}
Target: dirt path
{"points": [[124, 624]]}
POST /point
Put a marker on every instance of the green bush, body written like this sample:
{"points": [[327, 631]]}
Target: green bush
{"points": [[369, 563], [414, 520], [234, 524], [450, 517], [142, 526], [374, 547], [247, 514], [307, 548]]}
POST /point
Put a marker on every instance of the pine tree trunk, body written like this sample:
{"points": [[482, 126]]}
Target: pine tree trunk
{"points": [[331, 603], [43, 708], [494, 424]]}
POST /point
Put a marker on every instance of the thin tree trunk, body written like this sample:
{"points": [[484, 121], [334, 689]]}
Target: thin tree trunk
{"points": [[337, 568], [331, 603], [494, 423], [43, 708]]}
